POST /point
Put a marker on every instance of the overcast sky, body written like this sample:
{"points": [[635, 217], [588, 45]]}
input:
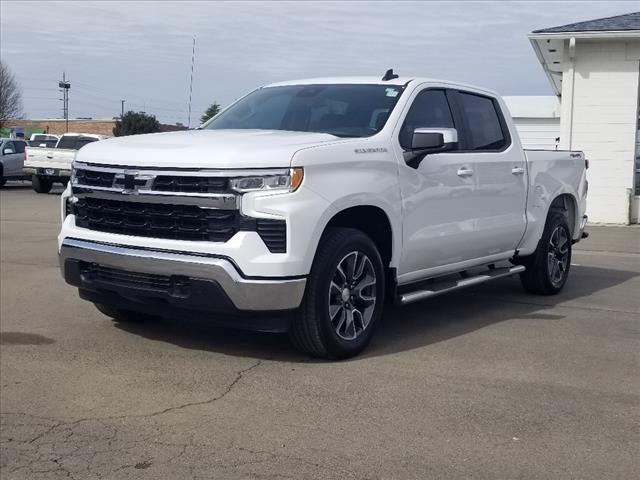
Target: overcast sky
{"points": [[141, 51]]}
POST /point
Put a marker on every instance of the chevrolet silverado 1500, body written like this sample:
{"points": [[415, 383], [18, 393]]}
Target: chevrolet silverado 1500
{"points": [[306, 205]]}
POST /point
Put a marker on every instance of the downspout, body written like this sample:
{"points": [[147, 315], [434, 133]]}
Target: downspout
{"points": [[572, 77]]}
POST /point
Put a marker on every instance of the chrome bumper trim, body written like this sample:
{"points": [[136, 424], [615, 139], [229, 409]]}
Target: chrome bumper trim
{"points": [[214, 201], [246, 294]]}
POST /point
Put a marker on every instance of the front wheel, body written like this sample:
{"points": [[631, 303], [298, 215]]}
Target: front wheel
{"points": [[548, 267], [344, 297], [41, 184]]}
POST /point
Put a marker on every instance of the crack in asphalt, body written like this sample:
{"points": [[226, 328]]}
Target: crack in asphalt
{"points": [[35, 442]]}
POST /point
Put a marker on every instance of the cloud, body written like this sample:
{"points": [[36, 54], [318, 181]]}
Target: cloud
{"points": [[141, 51]]}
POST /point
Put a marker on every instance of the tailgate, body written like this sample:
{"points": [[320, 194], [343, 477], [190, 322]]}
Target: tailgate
{"points": [[49, 158]]}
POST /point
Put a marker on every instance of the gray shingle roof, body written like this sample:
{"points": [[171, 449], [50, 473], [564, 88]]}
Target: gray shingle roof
{"points": [[630, 21]]}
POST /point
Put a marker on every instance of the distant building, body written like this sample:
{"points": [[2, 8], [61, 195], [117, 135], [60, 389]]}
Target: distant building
{"points": [[537, 120], [594, 70], [57, 126]]}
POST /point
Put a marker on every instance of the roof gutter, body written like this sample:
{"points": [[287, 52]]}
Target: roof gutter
{"points": [[581, 35]]}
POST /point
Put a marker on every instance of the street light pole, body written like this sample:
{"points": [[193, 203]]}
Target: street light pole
{"points": [[122, 108], [65, 86]]}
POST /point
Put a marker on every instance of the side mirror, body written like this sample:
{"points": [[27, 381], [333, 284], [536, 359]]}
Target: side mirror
{"points": [[7, 151], [430, 140]]}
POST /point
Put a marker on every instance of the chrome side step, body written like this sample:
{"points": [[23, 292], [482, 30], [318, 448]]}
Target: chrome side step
{"points": [[447, 287]]}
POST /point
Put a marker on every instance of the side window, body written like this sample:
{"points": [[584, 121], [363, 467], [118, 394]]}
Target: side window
{"points": [[430, 109], [19, 147], [67, 141], [8, 145], [485, 129], [82, 141]]}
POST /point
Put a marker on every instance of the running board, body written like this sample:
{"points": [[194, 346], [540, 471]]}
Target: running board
{"points": [[447, 287]]}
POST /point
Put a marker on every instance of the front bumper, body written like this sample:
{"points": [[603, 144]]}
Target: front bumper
{"points": [[202, 282]]}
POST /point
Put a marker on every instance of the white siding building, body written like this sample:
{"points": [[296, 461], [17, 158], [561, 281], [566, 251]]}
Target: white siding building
{"points": [[537, 120], [594, 69]]}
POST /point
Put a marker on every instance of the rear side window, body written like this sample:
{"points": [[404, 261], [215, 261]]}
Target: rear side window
{"points": [[19, 147], [485, 129], [82, 141], [430, 109], [68, 141]]}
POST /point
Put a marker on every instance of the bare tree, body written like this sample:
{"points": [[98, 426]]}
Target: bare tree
{"points": [[10, 96]]}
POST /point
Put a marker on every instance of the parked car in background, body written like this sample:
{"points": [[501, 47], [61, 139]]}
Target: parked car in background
{"points": [[49, 165], [43, 140], [12, 154], [307, 205]]}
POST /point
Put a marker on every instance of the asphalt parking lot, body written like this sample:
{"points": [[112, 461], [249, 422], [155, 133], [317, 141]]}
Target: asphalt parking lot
{"points": [[488, 383]]}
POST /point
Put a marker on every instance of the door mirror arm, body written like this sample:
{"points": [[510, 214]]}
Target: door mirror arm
{"points": [[427, 141]]}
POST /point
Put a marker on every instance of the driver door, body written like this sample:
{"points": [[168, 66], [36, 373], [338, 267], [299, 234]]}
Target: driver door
{"points": [[440, 196]]}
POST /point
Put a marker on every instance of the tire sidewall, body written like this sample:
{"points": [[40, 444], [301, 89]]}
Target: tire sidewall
{"points": [[557, 220], [337, 346]]}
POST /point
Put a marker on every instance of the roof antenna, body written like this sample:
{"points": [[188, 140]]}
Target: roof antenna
{"points": [[389, 75]]}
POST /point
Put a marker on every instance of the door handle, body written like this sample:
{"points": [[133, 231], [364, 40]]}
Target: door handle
{"points": [[465, 172], [517, 170]]}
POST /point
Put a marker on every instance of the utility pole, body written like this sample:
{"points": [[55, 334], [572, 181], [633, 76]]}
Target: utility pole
{"points": [[64, 88], [193, 59], [122, 108]]}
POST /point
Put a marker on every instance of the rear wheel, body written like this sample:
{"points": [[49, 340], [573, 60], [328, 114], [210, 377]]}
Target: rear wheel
{"points": [[119, 315], [41, 184], [2, 179], [344, 296], [548, 267]]}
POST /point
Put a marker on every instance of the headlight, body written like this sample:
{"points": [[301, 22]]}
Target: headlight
{"points": [[289, 182]]}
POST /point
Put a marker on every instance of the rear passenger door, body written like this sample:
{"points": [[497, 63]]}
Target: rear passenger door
{"points": [[499, 170]]}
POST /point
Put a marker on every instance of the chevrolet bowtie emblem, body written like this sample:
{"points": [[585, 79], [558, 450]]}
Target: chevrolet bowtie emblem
{"points": [[129, 182]]}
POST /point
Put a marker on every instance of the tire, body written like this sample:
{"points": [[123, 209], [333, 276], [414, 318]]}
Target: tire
{"points": [[2, 179], [548, 267], [348, 297], [40, 184], [119, 315]]}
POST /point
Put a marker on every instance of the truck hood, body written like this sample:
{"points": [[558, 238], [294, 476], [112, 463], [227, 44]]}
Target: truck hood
{"points": [[204, 149]]}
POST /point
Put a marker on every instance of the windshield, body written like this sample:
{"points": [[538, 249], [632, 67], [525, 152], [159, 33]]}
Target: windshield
{"points": [[340, 110]]}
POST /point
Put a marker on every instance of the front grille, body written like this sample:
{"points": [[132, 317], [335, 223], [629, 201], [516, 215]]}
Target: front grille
{"points": [[171, 183], [177, 222], [95, 178]]}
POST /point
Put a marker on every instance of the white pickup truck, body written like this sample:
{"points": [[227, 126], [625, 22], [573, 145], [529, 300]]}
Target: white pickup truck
{"points": [[49, 165], [305, 206]]}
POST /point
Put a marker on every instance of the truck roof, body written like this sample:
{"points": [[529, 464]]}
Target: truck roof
{"points": [[377, 81], [91, 135]]}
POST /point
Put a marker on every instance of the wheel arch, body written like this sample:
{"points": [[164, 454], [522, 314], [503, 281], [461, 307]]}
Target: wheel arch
{"points": [[372, 221], [567, 204], [376, 223]]}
